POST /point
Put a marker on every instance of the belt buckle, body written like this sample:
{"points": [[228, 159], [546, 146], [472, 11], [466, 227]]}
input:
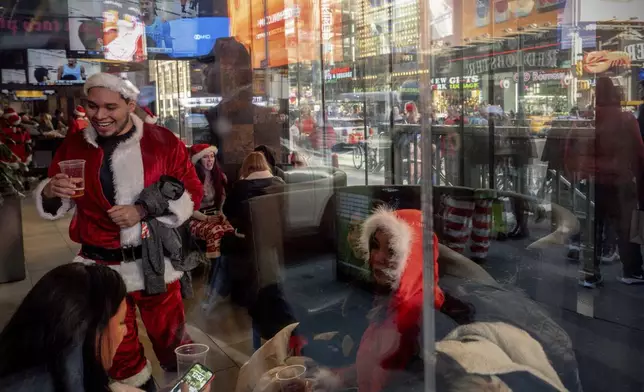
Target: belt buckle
{"points": [[128, 251]]}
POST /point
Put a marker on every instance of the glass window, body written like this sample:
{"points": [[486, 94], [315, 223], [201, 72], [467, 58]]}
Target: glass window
{"points": [[342, 189]]}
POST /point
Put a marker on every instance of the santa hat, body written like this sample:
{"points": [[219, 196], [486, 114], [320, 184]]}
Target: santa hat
{"points": [[198, 151], [79, 111], [9, 112], [13, 119], [112, 82], [150, 118]]}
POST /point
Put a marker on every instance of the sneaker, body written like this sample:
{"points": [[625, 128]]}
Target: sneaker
{"points": [[633, 279], [591, 281], [573, 254], [610, 257]]}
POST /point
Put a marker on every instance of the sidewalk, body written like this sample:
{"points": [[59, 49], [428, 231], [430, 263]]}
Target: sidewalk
{"points": [[47, 245]]}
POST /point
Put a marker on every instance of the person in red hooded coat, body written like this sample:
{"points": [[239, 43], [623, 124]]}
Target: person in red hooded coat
{"points": [[392, 242]]}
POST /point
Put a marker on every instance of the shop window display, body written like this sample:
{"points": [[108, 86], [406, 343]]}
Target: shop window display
{"points": [[493, 145]]}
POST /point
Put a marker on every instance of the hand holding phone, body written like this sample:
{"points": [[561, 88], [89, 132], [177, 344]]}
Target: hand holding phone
{"points": [[196, 379]]}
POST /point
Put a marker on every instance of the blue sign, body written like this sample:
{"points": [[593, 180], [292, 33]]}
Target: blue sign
{"points": [[181, 38]]}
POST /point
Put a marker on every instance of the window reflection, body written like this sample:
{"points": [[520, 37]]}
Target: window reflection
{"points": [[324, 133]]}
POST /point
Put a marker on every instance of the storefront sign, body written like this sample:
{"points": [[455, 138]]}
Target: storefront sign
{"points": [[339, 73], [544, 59], [200, 101], [455, 83], [285, 14], [635, 51], [327, 25]]}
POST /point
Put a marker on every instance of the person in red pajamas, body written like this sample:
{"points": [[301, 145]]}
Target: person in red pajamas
{"points": [[123, 156], [16, 138], [79, 122]]}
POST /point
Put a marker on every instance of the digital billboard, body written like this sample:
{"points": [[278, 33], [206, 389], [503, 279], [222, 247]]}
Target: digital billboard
{"points": [[181, 38], [53, 67], [14, 76], [111, 29]]}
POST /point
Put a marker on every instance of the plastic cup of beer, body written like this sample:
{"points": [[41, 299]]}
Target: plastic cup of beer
{"points": [[189, 354], [75, 170], [291, 379]]}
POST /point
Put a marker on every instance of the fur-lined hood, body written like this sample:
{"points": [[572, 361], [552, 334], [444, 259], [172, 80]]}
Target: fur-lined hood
{"points": [[406, 231]]}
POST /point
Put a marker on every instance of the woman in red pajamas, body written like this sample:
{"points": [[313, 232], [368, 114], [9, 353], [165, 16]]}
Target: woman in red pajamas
{"points": [[208, 223]]}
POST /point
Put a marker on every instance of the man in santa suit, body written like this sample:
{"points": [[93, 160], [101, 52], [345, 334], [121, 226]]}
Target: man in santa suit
{"points": [[79, 122], [123, 156], [15, 137]]}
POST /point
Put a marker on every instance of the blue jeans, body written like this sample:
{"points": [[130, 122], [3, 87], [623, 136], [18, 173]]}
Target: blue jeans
{"points": [[219, 282]]}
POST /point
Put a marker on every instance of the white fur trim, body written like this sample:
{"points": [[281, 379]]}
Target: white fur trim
{"points": [[132, 272], [151, 119], [127, 167], [112, 82], [401, 234], [181, 210], [195, 158], [260, 175], [79, 114], [67, 205], [136, 380]]}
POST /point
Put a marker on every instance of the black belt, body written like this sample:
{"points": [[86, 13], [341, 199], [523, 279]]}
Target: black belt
{"points": [[124, 254]]}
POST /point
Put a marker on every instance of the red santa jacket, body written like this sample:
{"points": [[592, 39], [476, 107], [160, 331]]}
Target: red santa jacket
{"points": [[77, 125], [390, 342], [138, 162], [18, 140]]}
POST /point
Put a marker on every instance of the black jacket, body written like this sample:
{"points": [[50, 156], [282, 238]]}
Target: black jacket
{"points": [[246, 189]]}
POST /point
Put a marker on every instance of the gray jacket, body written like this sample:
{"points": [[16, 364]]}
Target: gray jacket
{"points": [[162, 241]]}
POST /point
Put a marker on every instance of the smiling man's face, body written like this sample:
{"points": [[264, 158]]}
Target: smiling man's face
{"points": [[108, 111]]}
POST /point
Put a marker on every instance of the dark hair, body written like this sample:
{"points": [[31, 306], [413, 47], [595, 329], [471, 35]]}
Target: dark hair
{"points": [[40, 74], [68, 308], [268, 153], [216, 176]]}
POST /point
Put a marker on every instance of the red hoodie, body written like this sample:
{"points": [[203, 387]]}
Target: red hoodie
{"points": [[388, 345]]}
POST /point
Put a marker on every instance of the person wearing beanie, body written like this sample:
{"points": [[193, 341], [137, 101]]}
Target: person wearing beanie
{"points": [[124, 156], [209, 223], [16, 137], [79, 122]]}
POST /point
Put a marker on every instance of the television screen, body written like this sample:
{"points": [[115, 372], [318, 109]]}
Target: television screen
{"points": [[111, 29], [14, 76], [85, 28], [53, 67], [174, 30], [182, 38]]}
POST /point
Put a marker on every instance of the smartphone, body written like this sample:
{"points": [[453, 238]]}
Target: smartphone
{"points": [[195, 379]]}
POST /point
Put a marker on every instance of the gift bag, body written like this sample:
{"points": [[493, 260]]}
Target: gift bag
{"points": [[637, 227]]}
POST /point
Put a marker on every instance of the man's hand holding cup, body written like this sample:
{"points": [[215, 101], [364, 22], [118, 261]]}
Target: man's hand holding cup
{"points": [[61, 186]]}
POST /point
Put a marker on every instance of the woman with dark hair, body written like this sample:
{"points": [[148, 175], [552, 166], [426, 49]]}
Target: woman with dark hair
{"points": [[269, 154], [65, 333], [208, 223]]}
